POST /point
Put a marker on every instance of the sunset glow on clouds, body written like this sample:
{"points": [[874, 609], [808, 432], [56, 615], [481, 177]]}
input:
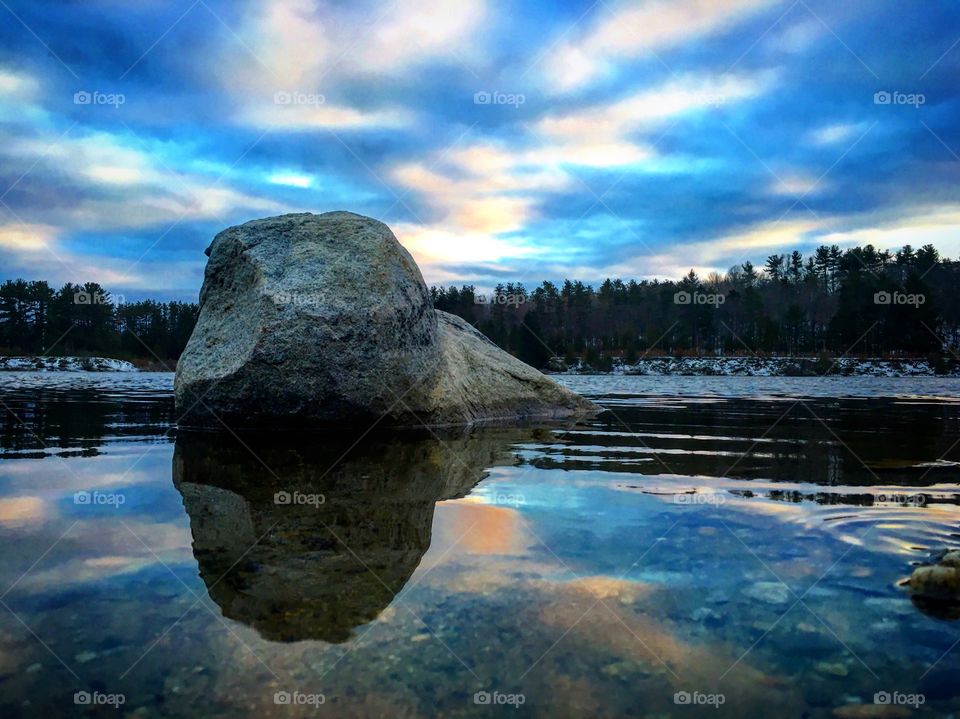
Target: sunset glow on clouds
{"points": [[501, 141]]}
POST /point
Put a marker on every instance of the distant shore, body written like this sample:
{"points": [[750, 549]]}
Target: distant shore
{"points": [[649, 366], [771, 367], [65, 364]]}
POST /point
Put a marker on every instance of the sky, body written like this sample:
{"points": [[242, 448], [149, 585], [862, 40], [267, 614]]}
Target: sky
{"points": [[501, 141]]}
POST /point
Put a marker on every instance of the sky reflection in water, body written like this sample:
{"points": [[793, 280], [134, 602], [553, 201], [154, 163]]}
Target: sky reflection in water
{"points": [[596, 569]]}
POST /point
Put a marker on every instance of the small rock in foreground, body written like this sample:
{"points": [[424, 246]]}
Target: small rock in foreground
{"points": [[935, 588]]}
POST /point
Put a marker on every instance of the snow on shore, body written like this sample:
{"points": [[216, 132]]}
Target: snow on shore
{"points": [[774, 367], [65, 364]]}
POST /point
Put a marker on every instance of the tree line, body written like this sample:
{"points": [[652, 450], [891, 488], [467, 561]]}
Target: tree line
{"points": [[85, 319], [859, 301]]}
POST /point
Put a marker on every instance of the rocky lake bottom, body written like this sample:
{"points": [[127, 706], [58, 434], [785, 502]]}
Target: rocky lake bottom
{"points": [[708, 546]]}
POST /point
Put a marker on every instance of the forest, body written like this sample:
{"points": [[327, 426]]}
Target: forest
{"points": [[86, 320], [857, 302]]}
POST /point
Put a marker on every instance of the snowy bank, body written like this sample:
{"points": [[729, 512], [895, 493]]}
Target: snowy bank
{"points": [[771, 367], [65, 364]]}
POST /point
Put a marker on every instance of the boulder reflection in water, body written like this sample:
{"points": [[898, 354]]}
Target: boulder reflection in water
{"points": [[299, 545]]}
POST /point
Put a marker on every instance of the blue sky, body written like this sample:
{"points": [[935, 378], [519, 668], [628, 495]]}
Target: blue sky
{"points": [[500, 140]]}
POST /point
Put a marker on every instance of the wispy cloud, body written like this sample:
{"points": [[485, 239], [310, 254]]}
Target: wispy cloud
{"points": [[626, 31]]}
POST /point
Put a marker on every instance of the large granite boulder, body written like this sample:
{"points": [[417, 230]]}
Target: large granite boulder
{"points": [[325, 319]]}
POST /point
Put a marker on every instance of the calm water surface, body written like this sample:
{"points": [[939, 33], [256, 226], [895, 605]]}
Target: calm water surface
{"points": [[734, 540]]}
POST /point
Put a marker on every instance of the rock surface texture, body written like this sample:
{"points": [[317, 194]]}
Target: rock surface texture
{"points": [[325, 319]]}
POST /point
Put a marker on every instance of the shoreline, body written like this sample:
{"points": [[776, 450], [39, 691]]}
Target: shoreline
{"points": [[773, 367], [27, 363], [786, 366]]}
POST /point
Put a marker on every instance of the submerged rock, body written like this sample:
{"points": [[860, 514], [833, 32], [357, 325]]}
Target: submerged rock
{"points": [[935, 588], [769, 592], [317, 319]]}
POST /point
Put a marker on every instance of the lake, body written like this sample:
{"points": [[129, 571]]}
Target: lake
{"points": [[708, 546]]}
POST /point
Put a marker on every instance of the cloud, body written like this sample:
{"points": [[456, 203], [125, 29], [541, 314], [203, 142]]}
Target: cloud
{"points": [[14, 84], [935, 224], [291, 180], [575, 133], [676, 141], [798, 37], [437, 245], [630, 31], [111, 181], [479, 190], [496, 188], [292, 118], [42, 252], [327, 50], [938, 225], [25, 238], [411, 32], [834, 134], [798, 185]]}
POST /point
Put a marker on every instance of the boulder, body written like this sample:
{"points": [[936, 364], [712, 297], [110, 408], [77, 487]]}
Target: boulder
{"points": [[310, 320]]}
